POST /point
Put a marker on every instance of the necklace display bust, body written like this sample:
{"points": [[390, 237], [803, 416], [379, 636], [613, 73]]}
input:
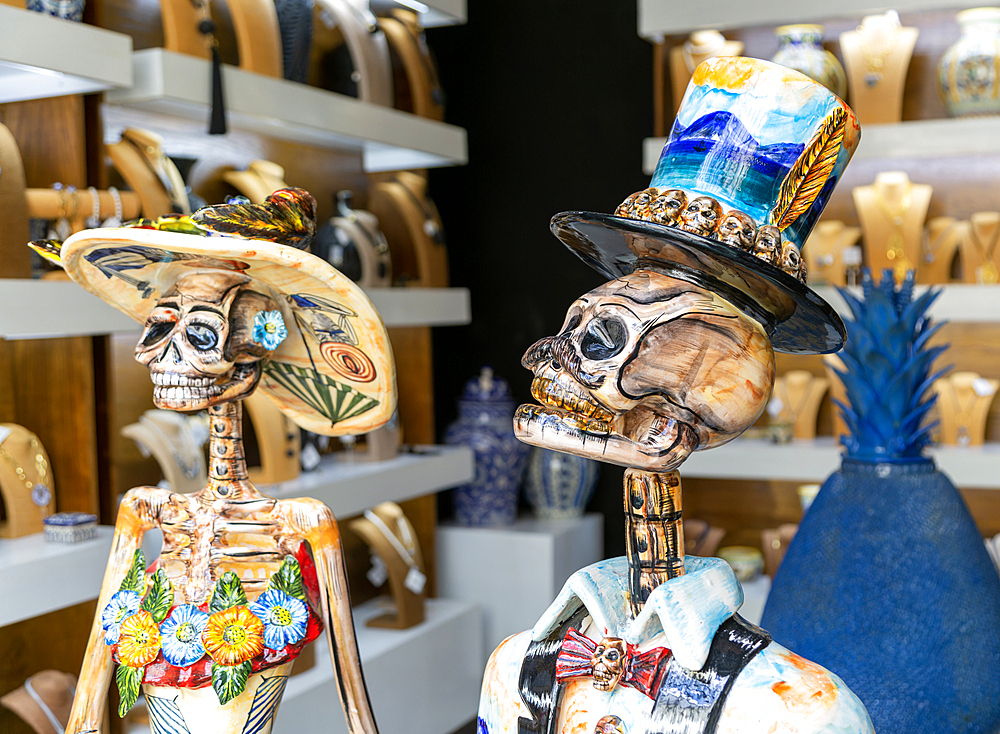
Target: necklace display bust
{"points": [[891, 211], [876, 57], [978, 246], [824, 252], [699, 46]]}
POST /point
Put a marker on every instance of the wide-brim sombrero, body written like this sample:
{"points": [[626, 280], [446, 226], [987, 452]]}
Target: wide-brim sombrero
{"points": [[797, 320], [333, 374]]}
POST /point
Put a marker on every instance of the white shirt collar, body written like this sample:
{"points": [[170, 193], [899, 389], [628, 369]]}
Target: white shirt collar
{"points": [[687, 610]]}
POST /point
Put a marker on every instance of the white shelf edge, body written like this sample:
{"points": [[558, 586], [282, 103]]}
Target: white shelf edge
{"points": [[174, 86], [423, 680], [42, 56], [39, 309], [958, 301], [814, 460], [349, 487], [40, 577], [433, 13], [658, 18]]}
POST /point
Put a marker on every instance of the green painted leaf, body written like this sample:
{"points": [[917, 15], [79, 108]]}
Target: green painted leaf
{"points": [[228, 593], [229, 681], [160, 597], [128, 680], [288, 579], [135, 579]]}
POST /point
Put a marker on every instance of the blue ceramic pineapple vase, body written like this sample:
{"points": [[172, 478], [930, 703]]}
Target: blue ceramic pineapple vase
{"points": [[485, 423], [887, 582]]}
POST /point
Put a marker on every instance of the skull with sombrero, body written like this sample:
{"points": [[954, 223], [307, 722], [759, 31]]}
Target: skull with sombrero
{"points": [[231, 303]]}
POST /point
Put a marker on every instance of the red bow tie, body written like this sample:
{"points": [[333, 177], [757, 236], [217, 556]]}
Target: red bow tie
{"points": [[642, 671]]}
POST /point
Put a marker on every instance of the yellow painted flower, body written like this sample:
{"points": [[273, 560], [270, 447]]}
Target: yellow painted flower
{"points": [[233, 636], [139, 642]]}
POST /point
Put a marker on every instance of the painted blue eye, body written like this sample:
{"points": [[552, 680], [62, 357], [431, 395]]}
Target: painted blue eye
{"points": [[603, 338], [202, 337]]}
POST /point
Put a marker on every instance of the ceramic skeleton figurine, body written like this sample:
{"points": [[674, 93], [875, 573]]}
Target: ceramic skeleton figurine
{"points": [[243, 581], [676, 354]]}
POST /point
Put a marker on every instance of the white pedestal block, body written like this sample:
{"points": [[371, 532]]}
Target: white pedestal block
{"points": [[514, 572], [754, 598]]}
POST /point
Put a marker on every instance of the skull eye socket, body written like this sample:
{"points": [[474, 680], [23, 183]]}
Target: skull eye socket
{"points": [[613, 655], [202, 337], [156, 331], [603, 338]]}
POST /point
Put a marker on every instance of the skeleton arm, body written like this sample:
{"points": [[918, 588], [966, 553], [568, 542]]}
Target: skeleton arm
{"points": [[135, 516], [319, 528]]}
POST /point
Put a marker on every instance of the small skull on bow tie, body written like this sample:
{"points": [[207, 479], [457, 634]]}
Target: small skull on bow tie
{"points": [[608, 661]]}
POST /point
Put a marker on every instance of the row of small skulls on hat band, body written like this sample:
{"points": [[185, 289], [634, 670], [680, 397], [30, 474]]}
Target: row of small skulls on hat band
{"points": [[703, 215]]}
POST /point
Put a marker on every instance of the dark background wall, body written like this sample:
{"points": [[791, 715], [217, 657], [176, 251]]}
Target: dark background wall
{"points": [[556, 98]]}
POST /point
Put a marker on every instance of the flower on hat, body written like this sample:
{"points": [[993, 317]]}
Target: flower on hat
{"points": [[269, 329], [233, 636], [122, 605], [181, 633], [139, 642], [284, 618]]}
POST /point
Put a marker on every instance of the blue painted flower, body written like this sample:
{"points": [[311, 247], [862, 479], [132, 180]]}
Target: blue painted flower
{"points": [[269, 329], [284, 618], [180, 635], [121, 606]]}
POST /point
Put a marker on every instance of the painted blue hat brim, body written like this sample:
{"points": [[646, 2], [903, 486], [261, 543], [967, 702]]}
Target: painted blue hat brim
{"points": [[795, 318]]}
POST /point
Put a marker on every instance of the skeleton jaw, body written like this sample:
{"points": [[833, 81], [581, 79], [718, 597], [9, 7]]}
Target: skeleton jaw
{"points": [[177, 391], [571, 422]]}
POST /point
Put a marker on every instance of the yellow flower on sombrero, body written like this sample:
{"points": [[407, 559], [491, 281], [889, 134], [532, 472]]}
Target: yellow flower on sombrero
{"points": [[233, 636], [139, 643]]}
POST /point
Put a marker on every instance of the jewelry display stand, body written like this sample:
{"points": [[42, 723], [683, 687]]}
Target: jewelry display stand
{"points": [[167, 437], [876, 57], [258, 181], [258, 36], [824, 252], [181, 20], [25, 482], [361, 229], [699, 46], [355, 26], [941, 241], [51, 204], [140, 160], [392, 538], [892, 211], [412, 226], [801, 393], [415, 79], [16, 260], [963, 403], [279, 442], [978, 246]]}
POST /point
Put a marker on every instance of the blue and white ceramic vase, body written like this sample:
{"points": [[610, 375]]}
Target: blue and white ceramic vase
{"points": [[485, 423], [968, 74], [558, 486], [801, 48], [66, 9]]}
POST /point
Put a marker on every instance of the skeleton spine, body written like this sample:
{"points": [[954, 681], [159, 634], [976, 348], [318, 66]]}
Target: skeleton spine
{"points": [[227, 466], [654, 534]]}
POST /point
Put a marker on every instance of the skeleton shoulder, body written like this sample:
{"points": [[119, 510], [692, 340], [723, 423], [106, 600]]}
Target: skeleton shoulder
{"points": [[144, 504], [500, 704]]}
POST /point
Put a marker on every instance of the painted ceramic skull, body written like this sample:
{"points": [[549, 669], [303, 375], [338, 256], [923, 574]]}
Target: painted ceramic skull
{"points": [[646, 369], [701, 216], [608, 662], [767, 245], [637, 205], [198, 341], [792, 262], [738, 230], [666, 208]]}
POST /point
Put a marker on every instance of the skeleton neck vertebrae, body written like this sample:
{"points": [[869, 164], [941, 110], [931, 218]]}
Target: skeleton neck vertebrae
{"points": [[227, 468]]}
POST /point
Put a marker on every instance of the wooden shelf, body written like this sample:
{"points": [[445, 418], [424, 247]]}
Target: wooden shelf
{"points": [[38, 309], [433, 13], [42, 56], [40, 577], [957, 302], [814, 460], [349, 487], [658, 18], [172, 93]]}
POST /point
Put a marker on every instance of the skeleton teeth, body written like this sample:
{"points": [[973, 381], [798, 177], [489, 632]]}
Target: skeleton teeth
{"points": [[550, 392]]}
